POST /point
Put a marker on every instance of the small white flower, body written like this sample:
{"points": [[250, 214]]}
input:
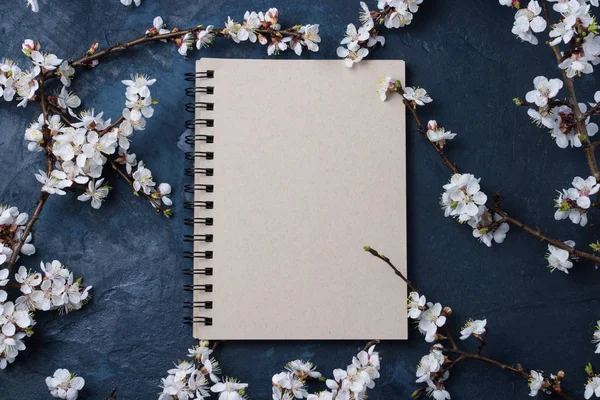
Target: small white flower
{"points": [[66, 73], [138, 84], [95, 192], [67, 100], [429, 364], [416, 95], [354, 37], [142, 179], [544, 90], [592, 387], [431, 319], [437, 390], [229, 389], [64, 385], [560, 259], [303, 369], [47, 61], [128, 2], [596, 337], [535, 382], [205, 37], [53, 183], [416, 305], [437, 134], [164, 190], [352, 54], [385, 85], [310, 37], [476, 327], [462, 198], [527, 21]]}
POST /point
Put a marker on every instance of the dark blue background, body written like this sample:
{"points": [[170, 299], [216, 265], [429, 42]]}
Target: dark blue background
{"points": [[463, 53]]}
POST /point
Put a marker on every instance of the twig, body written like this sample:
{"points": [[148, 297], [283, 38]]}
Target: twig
{"points": [[112, 395]]}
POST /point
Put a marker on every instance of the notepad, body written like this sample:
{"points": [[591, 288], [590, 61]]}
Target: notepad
{"points": [[297, 166]]}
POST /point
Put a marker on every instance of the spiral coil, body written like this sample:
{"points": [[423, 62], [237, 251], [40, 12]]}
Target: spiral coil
{"points": [[197, 140]]}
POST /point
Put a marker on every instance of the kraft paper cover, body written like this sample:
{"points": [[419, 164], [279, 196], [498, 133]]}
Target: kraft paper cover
{"points": [[309, 167]]}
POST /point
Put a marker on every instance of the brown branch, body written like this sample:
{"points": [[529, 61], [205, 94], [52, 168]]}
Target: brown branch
{"points": [[423, 131], [538, 234], [112, 395], [595, 109], [34, 217]]}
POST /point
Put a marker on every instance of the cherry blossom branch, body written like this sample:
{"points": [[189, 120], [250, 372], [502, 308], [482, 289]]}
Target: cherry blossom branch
{"points": [[552, 386], [157, 205], [93, 55], [494, 207], [587, 146]]}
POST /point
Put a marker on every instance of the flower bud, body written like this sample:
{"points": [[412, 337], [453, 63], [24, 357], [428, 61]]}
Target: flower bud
{"points": [[432, 125], [447, 311], [560, 375], [93, 48]]}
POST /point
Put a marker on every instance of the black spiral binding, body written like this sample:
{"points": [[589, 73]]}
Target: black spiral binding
{"points": [[193, 139]]}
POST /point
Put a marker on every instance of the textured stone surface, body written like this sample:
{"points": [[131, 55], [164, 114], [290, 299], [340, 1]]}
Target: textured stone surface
{"points": [[132, 330]]}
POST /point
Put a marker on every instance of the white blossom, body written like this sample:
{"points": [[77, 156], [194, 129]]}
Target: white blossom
{"points": [[415, 305], [67, 100], [385, 85], [596, 337], [65, 385], [53, 183], [142, 179], [416, 95], [128, 2], [229, 389], [535, 382], [352, 54], [592, 387], [560, 259], [438, 134], [431, 320], [462, 198], [529, 21], [96, 192], [473, 328], [544, 90]]}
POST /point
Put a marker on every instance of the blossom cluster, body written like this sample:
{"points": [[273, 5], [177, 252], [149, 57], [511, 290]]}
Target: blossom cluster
{"points": [[352, 383], [463, 199], [56, 289], [198, 378], [391, 14], [261, 27], [576, 27], [573, 203], [291, 383], [12, 229], [558, 117], [81, 149], [64, 384]]}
